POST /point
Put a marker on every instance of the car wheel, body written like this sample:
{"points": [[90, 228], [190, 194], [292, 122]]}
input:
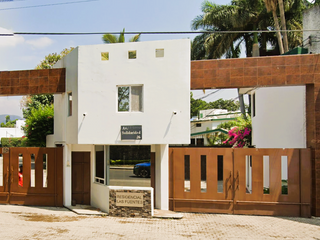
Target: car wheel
{"points": [[144, 173]]}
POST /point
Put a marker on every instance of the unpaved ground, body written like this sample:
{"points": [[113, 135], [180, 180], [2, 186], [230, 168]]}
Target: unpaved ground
{"points": [[20, 222]]}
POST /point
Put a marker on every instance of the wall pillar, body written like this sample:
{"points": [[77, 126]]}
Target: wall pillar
{"points": [[162, 176], [67, 187]]}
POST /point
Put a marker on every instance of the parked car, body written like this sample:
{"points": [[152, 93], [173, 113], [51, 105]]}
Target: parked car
{"points": [[142, 169]]}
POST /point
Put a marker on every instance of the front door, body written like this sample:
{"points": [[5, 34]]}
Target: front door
{"points": [[81, 178]]}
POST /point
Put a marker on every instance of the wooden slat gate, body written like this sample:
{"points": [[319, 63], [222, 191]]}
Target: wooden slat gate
{"points": [[42, 176], [240, 181]]}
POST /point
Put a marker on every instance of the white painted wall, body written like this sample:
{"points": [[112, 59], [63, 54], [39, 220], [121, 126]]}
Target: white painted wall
{"points": [[166, 88], [162, 176], [15, 132], [280, 120]]}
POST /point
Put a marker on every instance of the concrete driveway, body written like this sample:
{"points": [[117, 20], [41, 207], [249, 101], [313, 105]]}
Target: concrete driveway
{"points": [[21, 222]]}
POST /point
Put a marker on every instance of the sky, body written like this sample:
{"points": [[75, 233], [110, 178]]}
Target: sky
{"points": [[23, 52]]}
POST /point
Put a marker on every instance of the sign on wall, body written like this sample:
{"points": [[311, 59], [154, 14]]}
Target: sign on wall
{"points": [[127, 199], [133, 132]]}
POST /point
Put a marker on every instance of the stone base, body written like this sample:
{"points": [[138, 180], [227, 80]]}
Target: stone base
{"points": [[124, 211]]}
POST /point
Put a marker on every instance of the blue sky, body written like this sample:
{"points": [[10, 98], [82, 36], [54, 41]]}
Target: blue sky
{"points": [[25, 51]]}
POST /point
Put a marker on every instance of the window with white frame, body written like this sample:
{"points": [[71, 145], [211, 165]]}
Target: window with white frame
{"points": [[130, 98]]}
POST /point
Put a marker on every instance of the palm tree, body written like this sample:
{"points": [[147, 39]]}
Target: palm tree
{"points": [[109, 38], [283, 25], [242, 15], [271, 5]]}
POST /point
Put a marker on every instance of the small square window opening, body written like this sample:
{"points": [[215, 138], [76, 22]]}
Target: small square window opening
{"points": [[160, 52], [104, 56], [69, 104], [132, 54]]}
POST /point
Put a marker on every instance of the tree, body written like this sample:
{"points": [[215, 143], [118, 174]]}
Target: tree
{"points": [[52, 58], [9, 123], [39, 124], [197, 104], [271, 6], [284, 26], [241, 15], [38, 109], [109, 38]]}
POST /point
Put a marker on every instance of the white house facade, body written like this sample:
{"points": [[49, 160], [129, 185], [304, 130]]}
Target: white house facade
{"points": [[122, 94]]}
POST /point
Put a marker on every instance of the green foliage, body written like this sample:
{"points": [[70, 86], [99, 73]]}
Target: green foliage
{"points": [[197, 104], [35, 102], [39, 124], [241, 15], [52, 58], [9, 123], [14, 142], [109, 38], [216, 138]]}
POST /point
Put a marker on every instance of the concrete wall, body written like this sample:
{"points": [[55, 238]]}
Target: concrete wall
{"points": [[166, 88], [15, 132], [311, 21], [280, 119]]}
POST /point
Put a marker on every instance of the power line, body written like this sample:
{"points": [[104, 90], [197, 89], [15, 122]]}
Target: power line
{"points": [[45, 5], [150, 33], [209, 94]]}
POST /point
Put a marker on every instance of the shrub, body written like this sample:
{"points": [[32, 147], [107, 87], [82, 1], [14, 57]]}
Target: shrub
{"points": [[14, 142]]}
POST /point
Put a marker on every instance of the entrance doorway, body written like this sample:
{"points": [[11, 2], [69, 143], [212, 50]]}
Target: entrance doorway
{"points": [[81, 178]]}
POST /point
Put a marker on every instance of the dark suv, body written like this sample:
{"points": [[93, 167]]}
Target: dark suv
{"points": [[142, 169]]}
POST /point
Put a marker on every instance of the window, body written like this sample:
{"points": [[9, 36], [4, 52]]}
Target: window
{"points": [[69, 104], [198, 124], [254, 105], [104, 56], [132, 54], [159, 52], [130, 99], [99, 177]]}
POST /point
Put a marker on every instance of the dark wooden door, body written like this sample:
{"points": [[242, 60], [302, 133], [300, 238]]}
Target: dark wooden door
{"points": [[81, 177]]}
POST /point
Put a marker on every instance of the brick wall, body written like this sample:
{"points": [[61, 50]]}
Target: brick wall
{"points": [[32, 82]]}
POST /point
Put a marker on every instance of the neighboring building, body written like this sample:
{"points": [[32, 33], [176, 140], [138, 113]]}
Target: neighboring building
{"points": [[15, 132], [208, 122], [121, 94], [279, 117], [311, 21]]}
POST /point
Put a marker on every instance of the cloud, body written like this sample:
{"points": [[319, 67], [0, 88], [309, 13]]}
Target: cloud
{"points": [[40, 42], [9, 41]]}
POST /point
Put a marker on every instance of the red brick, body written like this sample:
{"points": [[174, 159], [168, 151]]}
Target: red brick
{"points": [[279, 80], [43, 73], [292, 60], [293, 79], [236, 72], [278, 70], [5, 83], [250, 62], [223, 63], [210, 64], [264, 62], [293, 70], [34, 73], [264, 71], [24, 82], [33, 89], [23, 90], [265, 81], [307, 59], [250, 81], [250, 72], [278, 61], [34, 82], [14, 74], [24, 74], [236, 82], [307, 69]]}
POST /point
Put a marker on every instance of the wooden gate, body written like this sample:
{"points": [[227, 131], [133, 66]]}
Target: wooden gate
{"points": [[240, 181], [42, 174]]}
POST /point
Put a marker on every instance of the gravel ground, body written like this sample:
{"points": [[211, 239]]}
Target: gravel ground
{"points": [[21, 222]]}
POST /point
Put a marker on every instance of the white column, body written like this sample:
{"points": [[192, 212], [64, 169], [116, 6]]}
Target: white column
{"points": [[67, 180], [162, 176]]}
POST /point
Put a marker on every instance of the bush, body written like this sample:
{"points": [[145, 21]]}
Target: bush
{"points": [[14, 142], [39, 124]]}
